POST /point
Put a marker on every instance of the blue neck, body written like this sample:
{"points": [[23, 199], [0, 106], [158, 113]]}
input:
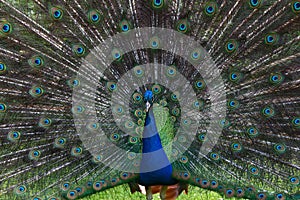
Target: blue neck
{"points": [[155, 168]]}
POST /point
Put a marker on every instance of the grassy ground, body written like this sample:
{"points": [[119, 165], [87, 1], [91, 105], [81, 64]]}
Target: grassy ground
{"points": [[123, 193]]}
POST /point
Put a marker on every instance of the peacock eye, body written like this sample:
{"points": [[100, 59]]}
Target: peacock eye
{"points": [[16, 134], [19, 190], [45, 122], [271, 38], [36, 91], [229, 192], [200, 84], [78, 109], [137, 98], [235, 77], [98, 184], [13, 136], [279, 196], [3, 107], [111, 86], [76, 151], [154, 44], [236, 147], [182, 25], [115, 137], [158, 2], [268, 112], [255, 3], [78, 189], [276, 78], [133, 140], [34, 155], [6, 27], [280, 148], [296, 122], [296, 6], [56, 13], [156, 89], [1, 66], [294, 181], [261, 195], [233, 104], [175, 96], [78, 50], [210, 8], [72, 193], [75, 82], [201, 137], [196, 55], [125, 27], [94, 16], [36, 61], [231, 46]]}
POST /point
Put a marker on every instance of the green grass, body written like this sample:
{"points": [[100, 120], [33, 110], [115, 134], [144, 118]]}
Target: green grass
{"points": [[122, 192]]}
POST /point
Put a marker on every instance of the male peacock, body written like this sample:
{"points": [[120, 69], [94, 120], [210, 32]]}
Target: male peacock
{"points": [[96, 94]]}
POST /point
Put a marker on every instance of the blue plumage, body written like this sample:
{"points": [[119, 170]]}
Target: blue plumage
{"points": [[156, 168]]}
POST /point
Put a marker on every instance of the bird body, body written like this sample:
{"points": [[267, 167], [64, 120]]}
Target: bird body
{"points": [[156, 168], [162, 94]]}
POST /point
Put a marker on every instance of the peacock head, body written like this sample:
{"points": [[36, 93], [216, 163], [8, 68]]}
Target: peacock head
{"points": [[148, 98]]}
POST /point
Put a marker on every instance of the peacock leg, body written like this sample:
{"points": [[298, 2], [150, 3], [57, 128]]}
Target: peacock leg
{"points": [[149, 193], [163, 192]]}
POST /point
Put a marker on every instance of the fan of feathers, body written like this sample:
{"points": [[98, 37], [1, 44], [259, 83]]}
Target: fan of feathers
{"points": [[48, 150]]}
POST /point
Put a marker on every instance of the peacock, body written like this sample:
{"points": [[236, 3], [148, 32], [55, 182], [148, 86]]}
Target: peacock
{"points": [[155, 95]]}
